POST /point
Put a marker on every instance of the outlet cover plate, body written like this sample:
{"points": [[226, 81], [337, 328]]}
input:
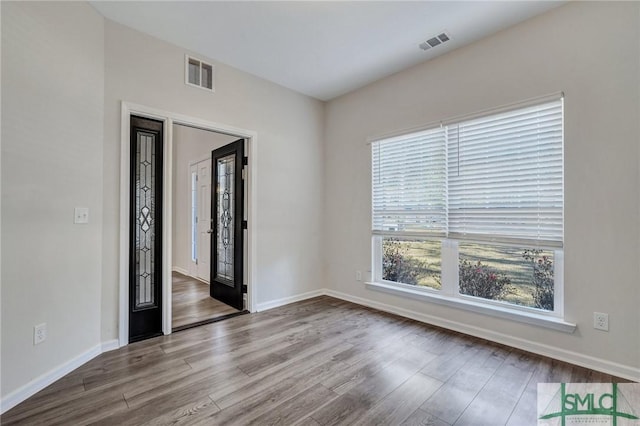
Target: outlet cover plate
{"points": [[601, 321], [39, 333], [81, 215]]}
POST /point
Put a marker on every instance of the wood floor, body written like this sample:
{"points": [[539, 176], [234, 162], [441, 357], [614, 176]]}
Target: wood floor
{"points": [[191, 302], [318, 362]]}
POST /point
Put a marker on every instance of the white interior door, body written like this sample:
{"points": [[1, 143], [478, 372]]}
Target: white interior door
{"points": [[203, 208]]}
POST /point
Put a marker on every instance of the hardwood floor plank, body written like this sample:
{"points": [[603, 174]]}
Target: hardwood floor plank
{"points": [[364, 394], [83, 414], [422, 418], [526, 410], [447, 364], [546, 371], [523, 360], [307, 421], [306, 372], [237, 331], [299, 346], [550, 371], [297, 407], [495, 402], [457, 393], [396, 407], [186, 414], [203, 382], [139, 370], [358, 371], [149, 380], [252, 405], [265, 379], [173, 397]]}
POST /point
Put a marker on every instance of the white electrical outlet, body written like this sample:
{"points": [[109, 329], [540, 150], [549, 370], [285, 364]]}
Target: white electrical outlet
{"points": [[81, 215], [601, 321], [358, 275], [39, 333]]}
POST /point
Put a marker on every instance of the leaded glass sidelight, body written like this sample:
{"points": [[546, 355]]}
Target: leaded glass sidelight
{"points": [[225, 169], [145, 215]]}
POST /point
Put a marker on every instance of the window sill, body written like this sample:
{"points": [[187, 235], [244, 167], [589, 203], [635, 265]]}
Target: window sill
{"points": [[473, 306]]}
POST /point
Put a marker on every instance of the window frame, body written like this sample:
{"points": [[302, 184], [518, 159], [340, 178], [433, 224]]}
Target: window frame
{"points": [[449, 294]]}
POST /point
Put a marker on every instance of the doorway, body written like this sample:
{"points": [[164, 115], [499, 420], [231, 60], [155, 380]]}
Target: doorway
{"points": [[196, 298], [169, 121]]}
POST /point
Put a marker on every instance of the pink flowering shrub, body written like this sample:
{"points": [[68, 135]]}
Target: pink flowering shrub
{"points": [[542, 278], [398, 266], [483, 281]]}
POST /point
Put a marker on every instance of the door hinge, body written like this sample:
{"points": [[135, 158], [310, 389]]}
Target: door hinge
{"points": [[245, 161], [244, 174], [244, 288], [245, 225]]}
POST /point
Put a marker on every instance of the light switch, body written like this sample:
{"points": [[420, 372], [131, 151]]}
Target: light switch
{"points": [[81, 215]]}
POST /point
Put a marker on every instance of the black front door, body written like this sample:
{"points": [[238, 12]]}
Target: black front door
{"points": [[145, 229], [227, 213]]}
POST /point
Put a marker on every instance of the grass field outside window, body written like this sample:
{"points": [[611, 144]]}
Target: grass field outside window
{"points": [[515, 275]]}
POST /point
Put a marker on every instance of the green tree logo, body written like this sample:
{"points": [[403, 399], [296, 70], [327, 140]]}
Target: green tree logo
{"points": [[588, 407]]}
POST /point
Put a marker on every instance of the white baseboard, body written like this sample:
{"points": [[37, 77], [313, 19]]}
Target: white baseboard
{"points": [[598, 364], [39, 383], [110, 345], [186, 273], [291, 299], [180, 270]]}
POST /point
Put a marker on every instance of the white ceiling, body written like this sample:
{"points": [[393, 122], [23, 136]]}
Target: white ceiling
{"points": [[320, 48]]}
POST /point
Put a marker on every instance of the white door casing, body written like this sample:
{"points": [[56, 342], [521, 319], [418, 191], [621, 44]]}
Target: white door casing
{"points": [[193, 213], [203, 208], [169, 118]]}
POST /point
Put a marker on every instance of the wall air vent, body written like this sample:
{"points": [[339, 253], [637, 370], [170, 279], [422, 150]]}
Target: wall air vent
{"points": [[199, 73], [434, 41]]}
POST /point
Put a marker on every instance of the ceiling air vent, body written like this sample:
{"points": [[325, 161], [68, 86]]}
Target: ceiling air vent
{"points": [[434, 41]]}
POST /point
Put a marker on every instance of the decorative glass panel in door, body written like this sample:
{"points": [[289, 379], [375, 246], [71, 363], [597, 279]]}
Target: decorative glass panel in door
{"points": [[145, 249], [227, 201], [145, 212], [224, 236]]}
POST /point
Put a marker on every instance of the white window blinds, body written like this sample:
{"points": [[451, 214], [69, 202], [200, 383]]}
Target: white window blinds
{"points": [[505, 176], [409, 183], [495, 178]]}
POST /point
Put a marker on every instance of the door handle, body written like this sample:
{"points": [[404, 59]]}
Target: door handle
{"points": [[209, 231]]}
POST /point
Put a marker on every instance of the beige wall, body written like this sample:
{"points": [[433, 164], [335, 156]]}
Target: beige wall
{"points": [[590, 51], [144, 70], [52, 115], [189, 145]]}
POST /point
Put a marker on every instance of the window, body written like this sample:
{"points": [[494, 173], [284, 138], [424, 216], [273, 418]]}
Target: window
{"points": [[198, 73], [472, 210]]}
